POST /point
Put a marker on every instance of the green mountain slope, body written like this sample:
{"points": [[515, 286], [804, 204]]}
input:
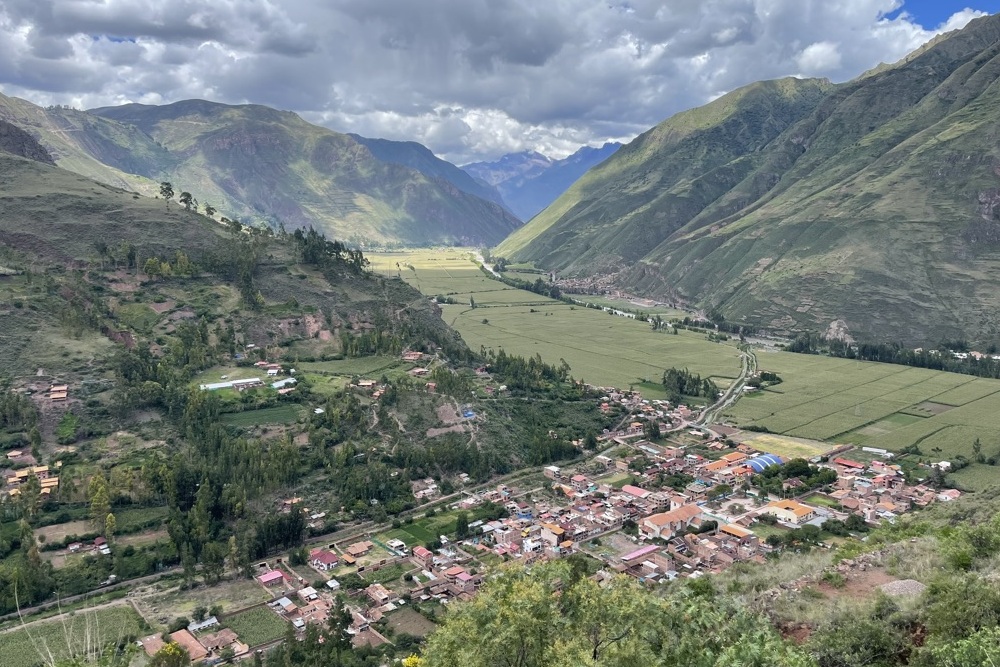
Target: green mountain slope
{"points": [[91, 146], [797, 204], [267, 165], [419, 157]]}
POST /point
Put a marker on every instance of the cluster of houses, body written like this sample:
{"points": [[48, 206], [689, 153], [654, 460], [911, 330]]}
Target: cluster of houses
{"points": [[98, 546], [15, 479], [666, 415], [704, 527]]}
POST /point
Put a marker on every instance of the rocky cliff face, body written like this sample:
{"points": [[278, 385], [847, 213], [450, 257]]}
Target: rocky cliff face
{"points": [[16, 141]]}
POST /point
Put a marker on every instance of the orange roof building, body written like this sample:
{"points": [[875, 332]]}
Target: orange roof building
{"points": [[187, 642]]}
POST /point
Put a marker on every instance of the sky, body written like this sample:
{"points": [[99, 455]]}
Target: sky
{"points": [[470, 79]]}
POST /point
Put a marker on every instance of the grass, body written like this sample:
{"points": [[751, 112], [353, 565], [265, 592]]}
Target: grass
{"points": [[29, 646], [786, 447], [387, 575], [326, 385], [256, 626], [351, 367], [281, 414], [411, 534], [822, 500], [764, 530], [600, 348], [975, 477], [140, 517], [138, 316], [615, 480], [230, 595], [214, 374], [409, 621]]}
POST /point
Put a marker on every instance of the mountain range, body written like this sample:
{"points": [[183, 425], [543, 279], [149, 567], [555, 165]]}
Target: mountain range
{"points": [[529, 181], [265, 166], [869, 208]]}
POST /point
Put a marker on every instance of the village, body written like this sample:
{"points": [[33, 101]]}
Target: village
{"points": [[660, 497], [693, 503]]}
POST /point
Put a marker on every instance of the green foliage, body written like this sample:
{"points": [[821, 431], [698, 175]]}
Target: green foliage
{"points": [[681, 383], [520, 614], [87, 637], [859, 641], [16, 411]]}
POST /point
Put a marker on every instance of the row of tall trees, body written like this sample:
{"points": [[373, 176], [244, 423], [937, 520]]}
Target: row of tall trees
{"points": [[682, 382], [940, 358]]}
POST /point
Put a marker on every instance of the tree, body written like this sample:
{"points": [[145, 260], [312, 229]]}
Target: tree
{"points": [[110, 524], [171, 655], [35, 438], [152, 267], [719, 490], [187, 200], [981, 648], [209, 210], [166, 190], [100, 499], [462, 525], [554, 616], [857, 640]]}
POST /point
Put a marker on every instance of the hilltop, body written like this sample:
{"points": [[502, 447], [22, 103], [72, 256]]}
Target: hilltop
{"points": [[263, 166], [870, 206]]}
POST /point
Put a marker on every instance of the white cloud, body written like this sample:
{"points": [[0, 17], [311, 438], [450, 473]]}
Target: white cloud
{"points": [[470, 78], [819, 59]]}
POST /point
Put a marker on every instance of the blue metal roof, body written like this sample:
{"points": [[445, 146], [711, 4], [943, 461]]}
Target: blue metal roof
{"points": [[764, 461]]}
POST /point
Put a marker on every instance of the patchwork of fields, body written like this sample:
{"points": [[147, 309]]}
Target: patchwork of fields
{"points": [[600, 348], [837, 401], [875, 405]]}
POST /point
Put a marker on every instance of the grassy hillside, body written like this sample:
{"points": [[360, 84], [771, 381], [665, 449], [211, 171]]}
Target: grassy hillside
{"points": [[792, 205], [68, 287], [261, 164], [659, 182], [99, 149]]}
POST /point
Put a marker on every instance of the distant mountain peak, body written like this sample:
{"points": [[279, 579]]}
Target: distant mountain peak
{"points": [[530, 181]]}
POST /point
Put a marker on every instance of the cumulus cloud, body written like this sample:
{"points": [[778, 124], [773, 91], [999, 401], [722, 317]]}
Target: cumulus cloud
{"points": [[470, 78]]}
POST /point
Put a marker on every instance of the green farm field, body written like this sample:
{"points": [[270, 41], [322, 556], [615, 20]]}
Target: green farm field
{"points": [[256, 626], [350, 367], [821, 399], [875, 405], [29, 646], [600, 348]]}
